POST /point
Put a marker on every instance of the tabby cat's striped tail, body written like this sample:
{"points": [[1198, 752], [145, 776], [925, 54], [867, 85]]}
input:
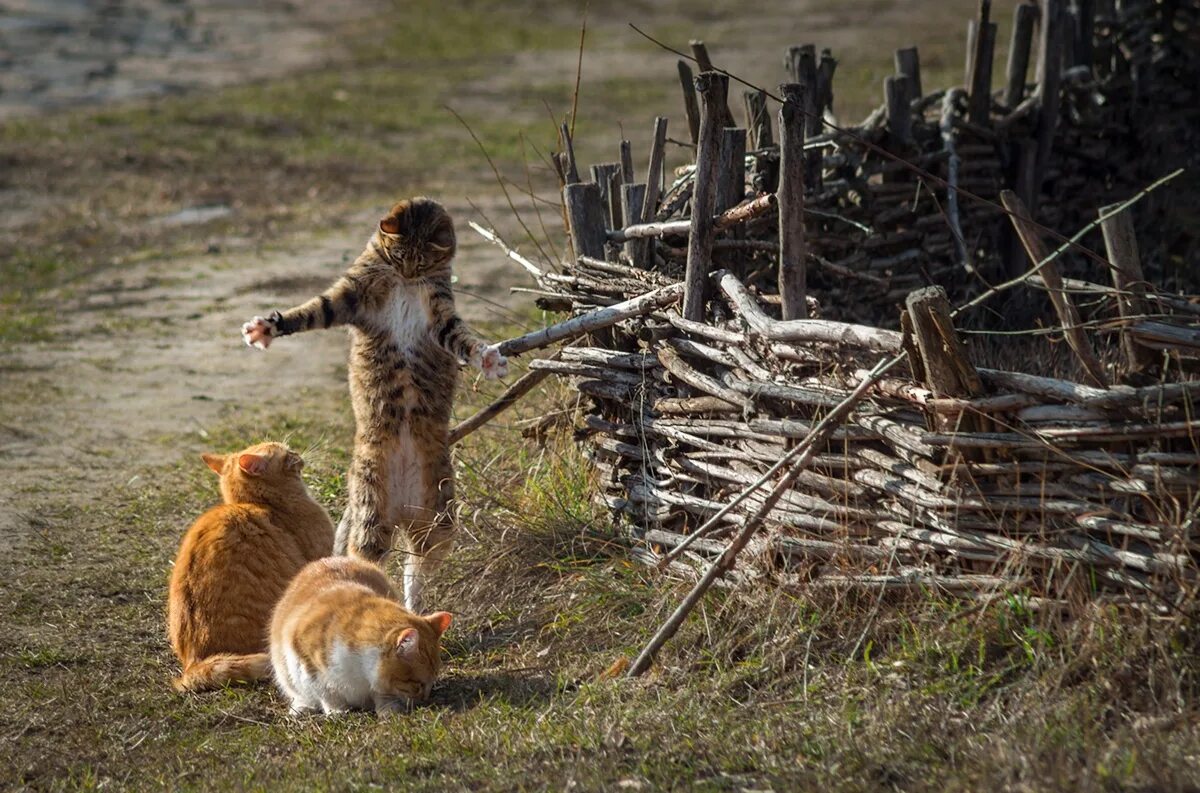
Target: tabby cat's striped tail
{"points": [[218, 670]]}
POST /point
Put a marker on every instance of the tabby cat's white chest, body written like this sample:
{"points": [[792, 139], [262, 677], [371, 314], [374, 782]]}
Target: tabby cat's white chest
{"points": [[407, 315]]}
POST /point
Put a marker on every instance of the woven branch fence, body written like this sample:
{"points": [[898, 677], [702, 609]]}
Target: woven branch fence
{"points": [[794, 273]]}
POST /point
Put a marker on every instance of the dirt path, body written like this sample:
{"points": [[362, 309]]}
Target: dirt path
{"points": [[152, 352], [64, 53]]}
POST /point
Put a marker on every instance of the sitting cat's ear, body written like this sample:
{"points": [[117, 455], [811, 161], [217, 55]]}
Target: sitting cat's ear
{"points": [[407, 642], [390, 225], [252, 464], [214, 461], [439, 621]]}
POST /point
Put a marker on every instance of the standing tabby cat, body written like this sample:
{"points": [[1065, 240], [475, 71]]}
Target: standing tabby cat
{"points": [[235, 562], [341, 641], [405, 344]]}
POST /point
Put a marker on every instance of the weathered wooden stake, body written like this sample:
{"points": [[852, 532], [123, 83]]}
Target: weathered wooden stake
{"points": [[712, 88], [633, 196], [792, 249], [654, 171], [980, 85], [825, 70], [1049, 78], [1068, 315], [908, 63], [765, 175], [571, 171], [1085, 20], [602, 174], [731, 172], [899, 112], [626, 162], [1121, 244], [1018, 53], [758, 120], [705, 64], [585, 218], [972, 35], [690, 107], [948, 370]]}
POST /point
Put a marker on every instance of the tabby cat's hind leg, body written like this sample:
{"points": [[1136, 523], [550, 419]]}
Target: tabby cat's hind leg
{"points": [[362, 531], [428, 547]]}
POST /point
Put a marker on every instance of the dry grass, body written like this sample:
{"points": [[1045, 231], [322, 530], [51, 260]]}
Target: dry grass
{"points": [[760, 690]]}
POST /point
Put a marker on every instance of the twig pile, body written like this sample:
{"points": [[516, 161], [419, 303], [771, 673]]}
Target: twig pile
{"points": [[720, 403], [1113, 107]]}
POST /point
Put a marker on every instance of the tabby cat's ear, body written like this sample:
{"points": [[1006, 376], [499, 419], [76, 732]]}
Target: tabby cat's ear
{"points": [[439, 621], [390, 225], [252, 464], [406, 643], [214, 461]]}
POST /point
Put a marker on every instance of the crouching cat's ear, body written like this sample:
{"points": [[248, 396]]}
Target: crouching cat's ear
{"points": [[252, 464], [214, 461], [439, 621], [407, 643]]}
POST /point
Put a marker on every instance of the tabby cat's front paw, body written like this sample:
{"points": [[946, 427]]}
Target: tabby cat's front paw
{"points": [[492, 363], [259, 332]]}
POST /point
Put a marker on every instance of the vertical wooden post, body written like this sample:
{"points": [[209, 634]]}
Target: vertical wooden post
{"points": [[626, 162], [969, 63], [1018, 54], [633, 197], [802, 65], [731, 172], [1121, 244], [979, 109], [1068, 315], [690, 107], [1024, 156], [908, 63], [942, 358], [825, 70], [712, 89], [705, 64], [585, 218], [654, 170], [1085, 20], [571, 170], [765, 176], [792, 249], [758, 121], [948, 369], [1049, 78], [899, 109], [602, 174]]}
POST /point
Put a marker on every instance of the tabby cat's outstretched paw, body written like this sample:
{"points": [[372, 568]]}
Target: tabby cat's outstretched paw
{"points": [[492, 363], [259, 332]]}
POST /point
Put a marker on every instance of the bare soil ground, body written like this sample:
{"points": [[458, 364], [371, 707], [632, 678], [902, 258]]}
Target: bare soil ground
{"points": [[136, 236]]}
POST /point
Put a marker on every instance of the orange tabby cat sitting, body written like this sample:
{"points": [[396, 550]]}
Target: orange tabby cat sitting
{"points": [[236, 561], [340, 640]]}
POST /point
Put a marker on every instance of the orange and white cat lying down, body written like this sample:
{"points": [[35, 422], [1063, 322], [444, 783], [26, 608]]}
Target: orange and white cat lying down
{"points": [[340, 640]]}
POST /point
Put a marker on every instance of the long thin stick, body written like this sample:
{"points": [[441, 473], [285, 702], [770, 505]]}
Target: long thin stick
{"points": [[1068, 314], [805, 451], [494, 238], [594, 320], [1105, 213], [518, 389]]}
